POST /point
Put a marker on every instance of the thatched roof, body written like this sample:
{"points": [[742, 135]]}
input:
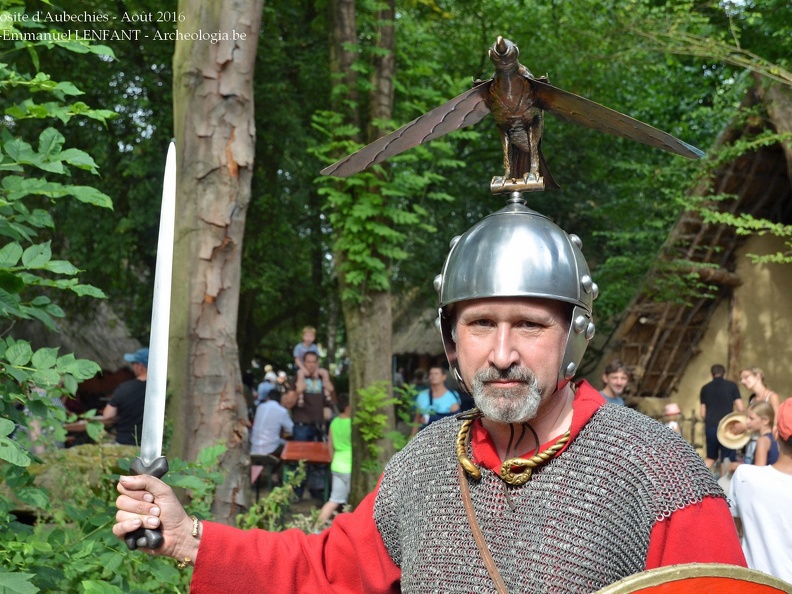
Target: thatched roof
{"points": [[658, 338], [414, 330]]}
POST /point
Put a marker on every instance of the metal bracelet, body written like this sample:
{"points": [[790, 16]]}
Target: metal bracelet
{"points": [[196, 523]]}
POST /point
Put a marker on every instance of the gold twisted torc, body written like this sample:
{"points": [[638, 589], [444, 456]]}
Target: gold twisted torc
{"points": [[462, 440], [508, 473], [529, 464]]}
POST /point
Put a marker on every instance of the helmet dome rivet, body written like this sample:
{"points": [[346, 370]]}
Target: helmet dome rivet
{"points": [[579, 325], [590, 331], [454, 241], [438, 282], [570, 371], [594, 291], [576, 240], [587, 283]]}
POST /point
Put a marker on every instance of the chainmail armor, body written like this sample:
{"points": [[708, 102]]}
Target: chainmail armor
{"points": [[582, 522]]}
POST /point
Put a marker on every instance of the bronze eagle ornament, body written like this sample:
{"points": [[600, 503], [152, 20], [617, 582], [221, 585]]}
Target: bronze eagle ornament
{"points": [[517, 100]]}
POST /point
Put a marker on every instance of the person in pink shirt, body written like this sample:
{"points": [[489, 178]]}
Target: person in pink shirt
{"points": [[541, 488]]}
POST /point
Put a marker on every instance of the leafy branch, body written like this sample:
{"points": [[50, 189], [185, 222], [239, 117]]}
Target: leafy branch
{"points": [[675, 41], [372, 423]]}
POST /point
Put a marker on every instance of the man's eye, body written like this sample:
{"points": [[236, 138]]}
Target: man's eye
{"points": [[484, 323], [478, 323]]}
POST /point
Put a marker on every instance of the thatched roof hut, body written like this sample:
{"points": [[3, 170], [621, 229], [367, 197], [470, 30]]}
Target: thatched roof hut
{"points": [[744, 316], [416, 343]]}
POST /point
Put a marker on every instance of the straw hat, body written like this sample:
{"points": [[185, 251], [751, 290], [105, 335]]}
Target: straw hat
{"points": [[726, 431]]}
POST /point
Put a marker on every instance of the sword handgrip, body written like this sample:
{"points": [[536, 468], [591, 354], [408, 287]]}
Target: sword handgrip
{"points": [[146, 537]]}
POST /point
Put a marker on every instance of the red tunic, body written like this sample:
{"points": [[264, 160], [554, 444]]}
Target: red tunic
{"points": [[351, 557]]}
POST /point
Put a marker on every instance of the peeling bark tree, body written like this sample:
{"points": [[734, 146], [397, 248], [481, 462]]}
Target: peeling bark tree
{"points": [[215, 136]]}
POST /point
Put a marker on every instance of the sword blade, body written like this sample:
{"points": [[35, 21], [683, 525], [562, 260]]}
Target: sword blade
{"points": [[156, 384]]}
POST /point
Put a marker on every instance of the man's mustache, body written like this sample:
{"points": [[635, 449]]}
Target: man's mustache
{"points": [[514, 373]]}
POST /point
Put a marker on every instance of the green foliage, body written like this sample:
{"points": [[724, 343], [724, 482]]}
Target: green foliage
{"points": [[747, 36], [71, 547], [729, 41], [679, 282], [199, 479], [376, 215], [29, 381], [29, 274], [710, 207], [28, 190], [372, 423], [287, 280], [405, 403], [269, 512], [746, 224], [730, 152], [9, 449], [380, 218], [24, 263], [116, 251], [371, 213]]}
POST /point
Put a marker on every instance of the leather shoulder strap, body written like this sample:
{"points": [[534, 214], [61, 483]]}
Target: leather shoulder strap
{"points": [[489, 562]]}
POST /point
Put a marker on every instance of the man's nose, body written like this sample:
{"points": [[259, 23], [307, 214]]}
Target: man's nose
{"points": [[504, 352]]}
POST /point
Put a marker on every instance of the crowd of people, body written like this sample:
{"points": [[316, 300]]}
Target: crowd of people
{"points": [[307, 408], [761, 495], [302, 408], [750, 449]]}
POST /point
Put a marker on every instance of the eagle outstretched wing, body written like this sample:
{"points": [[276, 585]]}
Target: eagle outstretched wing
{"points": [[576, 109], [464, 110]]}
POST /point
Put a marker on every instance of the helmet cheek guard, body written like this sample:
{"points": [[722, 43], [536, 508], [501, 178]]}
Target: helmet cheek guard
{"points": [[581, 330], [518, 252]]}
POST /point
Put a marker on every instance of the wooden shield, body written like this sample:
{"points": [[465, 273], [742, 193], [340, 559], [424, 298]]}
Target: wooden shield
{"points": [[699, 578]]}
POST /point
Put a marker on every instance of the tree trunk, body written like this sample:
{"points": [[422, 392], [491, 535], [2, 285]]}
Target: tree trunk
{"points": [[215, 135], [381, 102], [368, 321], [369, 343], [343, 34]]}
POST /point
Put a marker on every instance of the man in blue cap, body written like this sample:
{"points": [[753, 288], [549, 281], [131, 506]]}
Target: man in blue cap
{"points": [[126, 405]]}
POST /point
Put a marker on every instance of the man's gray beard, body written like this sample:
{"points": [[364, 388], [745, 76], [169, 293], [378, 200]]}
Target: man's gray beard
{"points": [[509, 405]]}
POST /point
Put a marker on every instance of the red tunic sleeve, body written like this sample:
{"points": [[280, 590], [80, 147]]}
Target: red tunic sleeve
{"points": [[350, 556], [699, 533]]}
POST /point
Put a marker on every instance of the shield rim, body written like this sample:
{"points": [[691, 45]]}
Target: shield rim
{"points": [[673, 573]]}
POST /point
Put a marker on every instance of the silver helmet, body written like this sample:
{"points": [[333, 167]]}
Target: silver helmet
{"points": [[518, 252]]}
